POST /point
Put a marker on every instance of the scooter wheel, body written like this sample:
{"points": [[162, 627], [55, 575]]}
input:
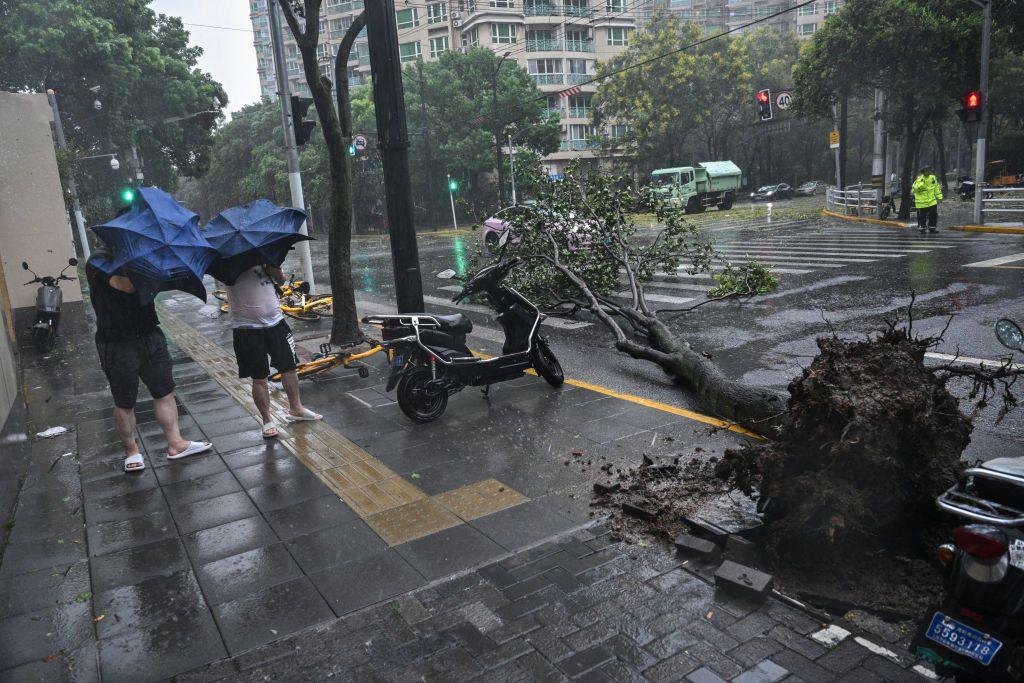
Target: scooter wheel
{"points": [[414, 400], [546, 364]]}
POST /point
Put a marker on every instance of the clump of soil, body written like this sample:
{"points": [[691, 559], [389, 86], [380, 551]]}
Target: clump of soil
{"points": [[873, 438]]}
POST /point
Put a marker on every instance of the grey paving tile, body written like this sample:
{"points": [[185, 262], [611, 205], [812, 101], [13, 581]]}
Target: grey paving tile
{"points": [[272, 472], [57, 551], [174, 597], [35, 635], [228, 425], [283, 494], [190, 468], [239, 575], [161, 651], [123, 507], [309, 516], [119, 486], [44, 589], [79, 666], [335, 545], [108, 537], [203, 488], [524, 524], [233, 442], [134, 565], [36, 527], [449, 551], [367, 581], [213, 512], [246, 457], [215, 543], [270, 614]]}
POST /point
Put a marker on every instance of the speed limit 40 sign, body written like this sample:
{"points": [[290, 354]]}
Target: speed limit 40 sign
{"points": [[784, 99]]}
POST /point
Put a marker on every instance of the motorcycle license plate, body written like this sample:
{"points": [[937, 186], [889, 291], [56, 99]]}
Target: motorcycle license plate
{"points": [[963, 639]]}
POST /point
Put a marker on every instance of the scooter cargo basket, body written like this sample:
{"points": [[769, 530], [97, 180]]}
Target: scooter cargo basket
{"points": [[987, 495]]}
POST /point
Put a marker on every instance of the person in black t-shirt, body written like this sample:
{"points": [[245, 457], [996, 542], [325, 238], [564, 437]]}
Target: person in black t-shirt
{"points": [[131, 347]]}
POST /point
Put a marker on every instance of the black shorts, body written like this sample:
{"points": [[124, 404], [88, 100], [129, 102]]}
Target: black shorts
{"points": [[253, 347], [126, 361]]}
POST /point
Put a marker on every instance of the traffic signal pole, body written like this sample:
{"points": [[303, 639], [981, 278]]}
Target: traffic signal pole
{"points": [[291, 151], [393, 140], [979, 160]]}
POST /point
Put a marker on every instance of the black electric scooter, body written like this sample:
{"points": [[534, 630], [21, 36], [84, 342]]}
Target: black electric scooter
{"points": [[49, 299], [429, 357], [977, 633]]}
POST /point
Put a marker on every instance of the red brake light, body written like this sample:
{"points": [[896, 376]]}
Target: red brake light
{"points": [[983, 542]]}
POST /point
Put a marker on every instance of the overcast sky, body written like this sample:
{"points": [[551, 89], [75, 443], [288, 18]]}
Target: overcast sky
{"points": [[228, 55]]}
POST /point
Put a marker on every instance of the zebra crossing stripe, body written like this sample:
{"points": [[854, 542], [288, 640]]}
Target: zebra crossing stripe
{"points": [[827, 249], [662, 298], [657, 282], [785, 271], [759, 253], [830, 255], [992, 262]]}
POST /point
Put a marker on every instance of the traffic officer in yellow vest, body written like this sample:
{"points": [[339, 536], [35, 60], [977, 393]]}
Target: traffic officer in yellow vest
{"points": [[927, 195]]}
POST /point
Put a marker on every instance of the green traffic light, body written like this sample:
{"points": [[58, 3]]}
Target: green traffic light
{"points": [[453, 185], [127, 195], [351, 150]]}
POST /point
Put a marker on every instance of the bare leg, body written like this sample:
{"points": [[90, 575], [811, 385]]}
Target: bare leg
{"points": [[261, 397], [166, 413], [291, 387], [124, 423]]}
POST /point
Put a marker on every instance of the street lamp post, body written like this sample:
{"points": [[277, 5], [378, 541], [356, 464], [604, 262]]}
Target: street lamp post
{"points": [[451, 198], [497, 129], [979, 161], [512, 168]]}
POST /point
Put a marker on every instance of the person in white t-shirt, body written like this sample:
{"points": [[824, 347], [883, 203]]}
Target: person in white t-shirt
{"points": [[263, 339]]}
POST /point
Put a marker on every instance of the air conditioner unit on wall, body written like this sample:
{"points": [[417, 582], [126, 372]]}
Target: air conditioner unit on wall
{"points": [[456, 15], [457, 23]]}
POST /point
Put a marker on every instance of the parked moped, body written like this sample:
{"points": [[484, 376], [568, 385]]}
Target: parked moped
{"points": [[49, 299], [429, 357], [977, 634]]}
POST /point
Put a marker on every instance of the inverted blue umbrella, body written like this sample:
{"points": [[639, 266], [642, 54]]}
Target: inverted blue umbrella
{"points": [[259, 233], [157, 245]]}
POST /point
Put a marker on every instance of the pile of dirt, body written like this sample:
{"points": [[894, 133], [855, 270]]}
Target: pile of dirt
{"points": [[873, 438]]}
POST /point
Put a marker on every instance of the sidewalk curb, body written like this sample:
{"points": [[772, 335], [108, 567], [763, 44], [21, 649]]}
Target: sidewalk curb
{"points": [[995, 229], [864, 219]]}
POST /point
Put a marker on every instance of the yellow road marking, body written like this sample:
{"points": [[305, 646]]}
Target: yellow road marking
{"points": [[1005, 230], [1008, 267]]}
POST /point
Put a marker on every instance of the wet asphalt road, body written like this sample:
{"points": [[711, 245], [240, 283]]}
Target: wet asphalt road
{"points": [[853, 276]]}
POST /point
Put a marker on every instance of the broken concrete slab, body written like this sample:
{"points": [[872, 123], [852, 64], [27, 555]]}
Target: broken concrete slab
{"points": [[743, 581]]}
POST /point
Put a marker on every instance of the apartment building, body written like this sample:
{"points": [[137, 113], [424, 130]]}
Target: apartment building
{"points": [[715, 16], [558, 42]]}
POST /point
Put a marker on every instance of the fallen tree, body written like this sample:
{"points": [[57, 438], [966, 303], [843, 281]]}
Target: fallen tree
{"points": [[580, 236]]}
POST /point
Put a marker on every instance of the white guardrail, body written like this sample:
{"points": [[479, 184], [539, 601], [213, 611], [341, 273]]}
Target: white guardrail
{"points": [[855, 200], [1004, 202]]}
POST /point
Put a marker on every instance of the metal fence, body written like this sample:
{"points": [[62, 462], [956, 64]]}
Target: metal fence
{"points": [[855, 200], [1002, 205]]}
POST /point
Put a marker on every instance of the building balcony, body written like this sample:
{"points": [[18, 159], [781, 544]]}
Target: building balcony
{"points": [[578, 145], [548, 112], [576, 79], [541, 9], [579, 45], [543, 45], [577, 11], [549, 79], [579, 112]]}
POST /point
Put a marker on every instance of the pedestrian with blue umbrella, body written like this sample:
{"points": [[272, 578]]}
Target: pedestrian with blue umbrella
{"points": [[252, 242], [152, 246]]}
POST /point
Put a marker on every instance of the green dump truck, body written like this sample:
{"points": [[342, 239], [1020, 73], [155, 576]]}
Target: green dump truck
{"points": [[695, 188]]}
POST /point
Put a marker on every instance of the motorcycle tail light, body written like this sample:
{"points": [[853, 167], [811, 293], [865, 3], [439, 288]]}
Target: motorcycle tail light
{"points": [[982, 542], [946, 552], [985, 547]]}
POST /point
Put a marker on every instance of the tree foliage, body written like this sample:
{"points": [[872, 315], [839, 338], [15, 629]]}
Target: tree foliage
{"points": [[146, 72]]}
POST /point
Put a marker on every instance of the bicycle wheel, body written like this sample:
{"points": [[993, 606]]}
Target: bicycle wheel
{"points": [[299, 314], [323, 304], [317, 366]]}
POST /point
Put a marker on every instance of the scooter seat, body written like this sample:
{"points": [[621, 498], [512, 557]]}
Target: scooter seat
{"points": [[454, 323]]}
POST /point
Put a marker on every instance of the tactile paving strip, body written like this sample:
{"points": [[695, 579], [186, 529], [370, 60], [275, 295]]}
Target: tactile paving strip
{"points": [[394, 508]]}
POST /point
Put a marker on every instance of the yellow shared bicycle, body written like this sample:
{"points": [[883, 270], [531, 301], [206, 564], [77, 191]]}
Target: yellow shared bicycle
{"points": [[327, 360], [296, 301]]}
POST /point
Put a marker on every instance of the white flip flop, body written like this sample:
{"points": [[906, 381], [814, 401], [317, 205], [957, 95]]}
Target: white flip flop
{"points": [[134, 463], [194, 448], [307, 416], [268, 426]]}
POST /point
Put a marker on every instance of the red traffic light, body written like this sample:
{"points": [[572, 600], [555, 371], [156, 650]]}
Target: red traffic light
{"points": [[972, 100], [762, 96]]}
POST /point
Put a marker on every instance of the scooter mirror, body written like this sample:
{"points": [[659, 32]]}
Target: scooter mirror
{"points": [[1009, 334], [24, 265], [446, 274], [503, 239], [72, 261]]}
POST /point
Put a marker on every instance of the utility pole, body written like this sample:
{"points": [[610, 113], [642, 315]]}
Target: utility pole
{"points": [[497, 130], [291, 151], [979, 162], [62, 142], [835, 119], [137, 175], [512, 168], [878, 151], [393, 140], [429, 157]]}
